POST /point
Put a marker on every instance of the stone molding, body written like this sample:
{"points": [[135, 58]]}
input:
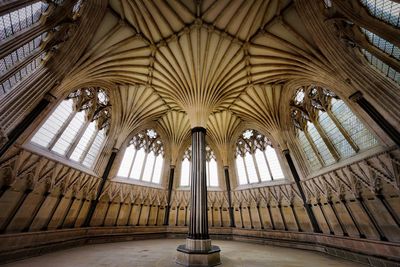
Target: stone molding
{"points": [[373, 253]]}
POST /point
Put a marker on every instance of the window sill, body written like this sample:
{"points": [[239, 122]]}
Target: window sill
{"points": [[136, 182], [347, 161], [209, 188], [263, 184], [60, 159]]}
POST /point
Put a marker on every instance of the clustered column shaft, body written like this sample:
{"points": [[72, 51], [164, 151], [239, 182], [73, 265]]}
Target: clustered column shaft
{"points": [[198, 228]]}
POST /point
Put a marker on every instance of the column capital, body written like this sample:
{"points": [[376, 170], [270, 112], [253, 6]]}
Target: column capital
{"points": [[114, 150], [286, 151], [199, 129], [357, 96]]}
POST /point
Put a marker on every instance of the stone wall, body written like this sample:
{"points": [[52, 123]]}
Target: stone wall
{"points": [[23, 245], [44, 205]]}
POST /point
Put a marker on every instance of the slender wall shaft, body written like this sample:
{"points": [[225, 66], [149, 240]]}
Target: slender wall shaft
{"points": [[170, 185], [228, 191], [296, 177]]}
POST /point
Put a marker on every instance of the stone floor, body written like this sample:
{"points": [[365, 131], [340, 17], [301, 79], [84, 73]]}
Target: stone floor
{"points": [[161, 252]]}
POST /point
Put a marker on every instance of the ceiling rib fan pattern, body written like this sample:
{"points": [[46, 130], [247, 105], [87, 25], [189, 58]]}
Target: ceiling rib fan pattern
{"points": [[203, 57]]}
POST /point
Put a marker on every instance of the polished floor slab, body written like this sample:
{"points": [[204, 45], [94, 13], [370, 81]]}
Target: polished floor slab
{"points": [[161, 253]]}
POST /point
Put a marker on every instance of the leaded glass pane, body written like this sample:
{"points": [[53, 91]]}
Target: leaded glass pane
{"points": [[185, 172], [158, 170], [251, 169], [148, 168], [308, 151], [213, 173], [274, 163], [356, 129], [241, 172], [20, 54], [335, 136], [20, 74], [69, 134], [126, 162], [84, 142], [386, 10], [20, 19], [143, 157], [53, 124], [382, 44], [320, 144], [208, 173], [94, 149], [262, 166], [138, 165], [381, 66]]}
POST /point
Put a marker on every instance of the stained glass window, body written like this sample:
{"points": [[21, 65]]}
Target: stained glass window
{"points": [[185, 172], [308, 151], [381, 66], [17, 56], [327, 129], [12, 80], [20, 19], [143, 158], [22, 62], [77, 128], [386, 47], [385, 10], [356, 129], [256, 159], [211, 168], [240, 170]]}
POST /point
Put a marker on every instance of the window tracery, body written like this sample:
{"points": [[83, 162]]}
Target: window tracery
{"points": [[256, 159], [326, 127], [77, 128], [143, 158], [211, 168]]}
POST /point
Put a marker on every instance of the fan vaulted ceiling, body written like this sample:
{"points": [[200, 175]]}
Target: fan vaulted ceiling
{"points": [[187, 63]]}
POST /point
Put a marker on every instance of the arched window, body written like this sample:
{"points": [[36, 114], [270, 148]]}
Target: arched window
{"points": [[387, 11], [256, 159], [77, 127], [30, 53], [386, 47], [25, 59], [22, 18], [211, 168], [143, 158], [326, 127]]}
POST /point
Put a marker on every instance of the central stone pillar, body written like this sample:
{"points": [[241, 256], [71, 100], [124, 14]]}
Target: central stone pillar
{"points": [[198, 250]]}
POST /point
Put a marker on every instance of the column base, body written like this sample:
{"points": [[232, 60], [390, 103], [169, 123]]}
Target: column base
{"points": [[198, 253]]}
